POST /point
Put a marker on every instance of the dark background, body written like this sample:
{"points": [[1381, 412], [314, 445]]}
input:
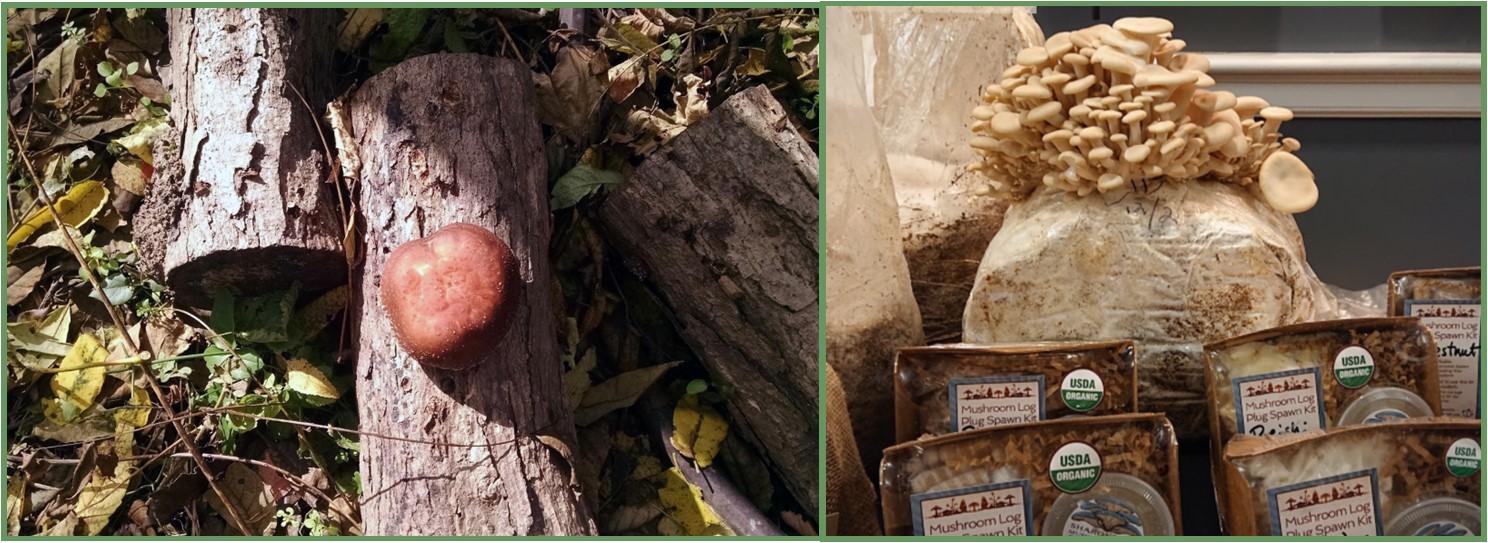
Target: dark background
{"points": [[1395, 193]]}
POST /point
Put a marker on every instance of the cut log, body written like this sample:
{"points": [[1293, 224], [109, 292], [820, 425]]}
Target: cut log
{"points": [[444, 139], [723, 220], [241, 199]]}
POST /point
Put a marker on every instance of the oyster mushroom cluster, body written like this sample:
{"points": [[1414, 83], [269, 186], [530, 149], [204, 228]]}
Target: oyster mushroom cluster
{"points": [[1109, 107]]}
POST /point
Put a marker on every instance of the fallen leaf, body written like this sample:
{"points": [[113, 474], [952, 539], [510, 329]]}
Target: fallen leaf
{"points": [[130, 176], [576, 381], [23, 280], [104, 492], [354, 29], [683, 503], [568, 97], [248, 492], [692, 100], [79, 205], [754, 65], [625, 78], [57, 72], [579, 182], [625, 518], [141, 138], [76, 390], [137, 413], [16, 504], [697, 430], [798, 523], [304, 378], [619, 392], [72, 134], [92, 425]]}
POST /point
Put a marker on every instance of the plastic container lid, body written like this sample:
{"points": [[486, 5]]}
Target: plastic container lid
{"points": [[1436, 516], [1384, 404], [1117, 505]]}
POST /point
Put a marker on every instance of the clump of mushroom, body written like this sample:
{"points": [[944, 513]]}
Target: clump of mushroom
{"points": [[1109, 107]]}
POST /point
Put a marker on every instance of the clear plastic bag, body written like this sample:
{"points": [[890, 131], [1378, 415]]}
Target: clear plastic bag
{"points": [[927, 66], [871, 311], [1170, 265]]}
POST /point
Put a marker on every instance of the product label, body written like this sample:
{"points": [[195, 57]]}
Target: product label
{"points": [[1454, 324], [1464, 457], [1075, 467], [1283, 402], [1353, 366], [1103, 516], [1385, 415], [1346, 504], [995, 509], [1082, 390], [984, 402]]}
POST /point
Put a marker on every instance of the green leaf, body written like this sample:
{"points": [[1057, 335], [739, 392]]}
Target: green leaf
{"points": [[265, 319], [116, 289], [697, 386], [131, 68], [100, 90], [311, 319], [668, 54], [619, 392], [404, 27], [638, 42], [674, 41], [453, 40], [105, 68], [223, 320], [579, 182]]}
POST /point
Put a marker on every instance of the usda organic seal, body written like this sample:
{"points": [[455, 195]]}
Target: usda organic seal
{"points": [[1353, 366], [1463, 457], [1075, 467], [1082, 390]]}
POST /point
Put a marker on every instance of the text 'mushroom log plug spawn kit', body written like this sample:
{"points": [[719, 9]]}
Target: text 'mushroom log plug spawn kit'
{"points": [[1148, 278]]}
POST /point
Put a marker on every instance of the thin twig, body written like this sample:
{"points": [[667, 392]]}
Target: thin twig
{"points": [[129, 344]]}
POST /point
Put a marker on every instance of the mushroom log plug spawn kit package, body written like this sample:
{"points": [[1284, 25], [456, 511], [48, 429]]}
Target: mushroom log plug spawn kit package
{"points": [[1449, 303], [1412, 477], [1146, 205], [1106, 475], [948, 388], [1318, 375]]}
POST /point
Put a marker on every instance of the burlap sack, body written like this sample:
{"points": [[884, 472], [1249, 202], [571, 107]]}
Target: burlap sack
{"points": [[1173, 266], [851, 497], [870, 308], [927, 66]]}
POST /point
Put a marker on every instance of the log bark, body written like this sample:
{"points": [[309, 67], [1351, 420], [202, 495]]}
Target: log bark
{"points": [[241, 198], [443, 139], [723, 220]]}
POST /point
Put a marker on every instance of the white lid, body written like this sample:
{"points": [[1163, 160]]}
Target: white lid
{"points": [[1118, 504], [1380, 404], [1436, 516]]}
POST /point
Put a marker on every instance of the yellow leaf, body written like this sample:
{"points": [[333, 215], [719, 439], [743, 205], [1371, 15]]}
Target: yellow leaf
{"points": [[101, 495], [308, 380], [697, 430], [139, 141], [75, 390], [78, 206], [137, 414], [683, 504], [754, 65]]}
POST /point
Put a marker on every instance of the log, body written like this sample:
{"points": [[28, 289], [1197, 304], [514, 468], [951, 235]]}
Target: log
{"points": [[454, 138], [241, 197], [723, 220]]}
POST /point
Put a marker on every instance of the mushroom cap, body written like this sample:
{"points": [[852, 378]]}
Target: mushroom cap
{"points": [[1006, 123], [1161, 77], [1223, 100], [1055, 79], [1033, 56], [1189, 61], [1164, 107], [1172, 146], [1143, 26], [1092, 133], [1134, 116], [1247, 106], [1058, 44], [1101, 153], [1287, 184], [1117, 61], [1033, 92], [1274, 113], [1218, 134], [1079, 85], [1056, 135], [1162, 127], [983, 113], [1045, 111], [1204, 82], [1075, 59], [984, 142], [1136, 153]]}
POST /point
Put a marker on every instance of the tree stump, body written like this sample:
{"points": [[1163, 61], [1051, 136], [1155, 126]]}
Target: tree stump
{"points": [[442, 139], [241, 197], [724, 222]]}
